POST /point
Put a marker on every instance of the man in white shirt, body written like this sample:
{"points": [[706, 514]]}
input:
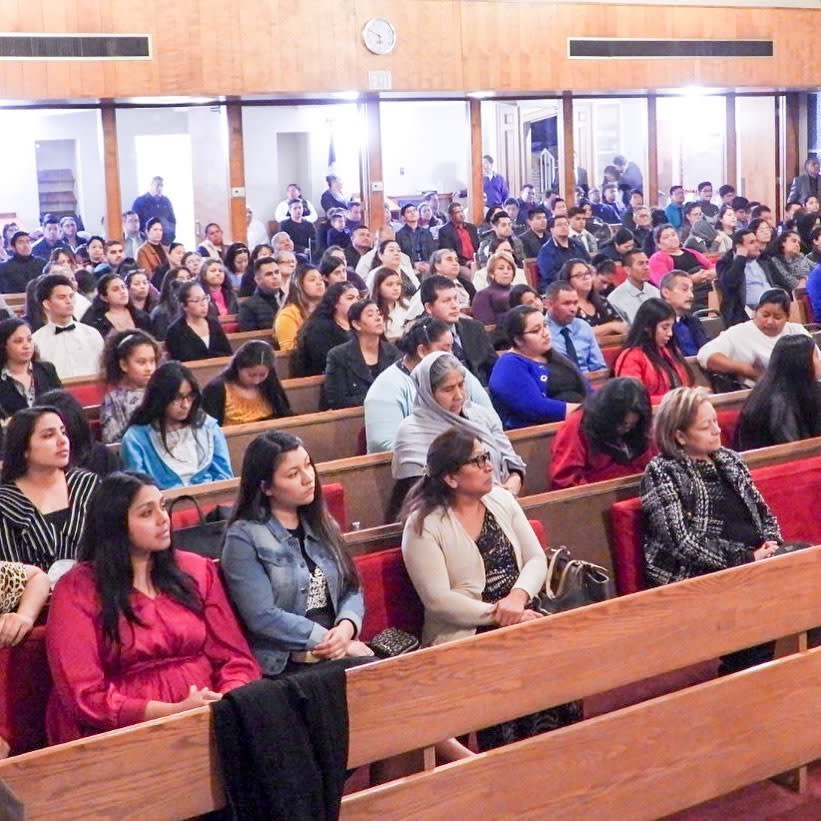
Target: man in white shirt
{"points": [[73, 348], [628, 297], [294, 192]]}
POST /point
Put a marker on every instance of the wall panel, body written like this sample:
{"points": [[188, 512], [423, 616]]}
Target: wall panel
{"points": [[267, 47]]}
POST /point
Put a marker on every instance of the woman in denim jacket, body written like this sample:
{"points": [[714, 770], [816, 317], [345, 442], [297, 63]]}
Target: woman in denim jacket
{"points": [[288, 574]]}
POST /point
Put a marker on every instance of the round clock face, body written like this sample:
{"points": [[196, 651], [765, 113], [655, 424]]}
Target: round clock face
{"points": [[379, 36]]}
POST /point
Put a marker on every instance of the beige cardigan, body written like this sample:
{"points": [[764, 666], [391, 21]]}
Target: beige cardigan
{"points": [[448, 573]]}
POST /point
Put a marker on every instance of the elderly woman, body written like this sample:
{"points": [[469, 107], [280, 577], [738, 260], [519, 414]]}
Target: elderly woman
{"points": [[702, 511], [441, 403], [474, 560]]}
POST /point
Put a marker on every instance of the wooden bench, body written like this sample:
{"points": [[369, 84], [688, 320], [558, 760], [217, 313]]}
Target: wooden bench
{"points": [[639, 762]]}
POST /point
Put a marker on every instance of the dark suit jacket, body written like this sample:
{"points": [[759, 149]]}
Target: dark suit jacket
{"points": [[184, 345], [348, 378], [448, 239], [404, 236], [478, 353], [45, 379], [801, 188], [732, 283]]}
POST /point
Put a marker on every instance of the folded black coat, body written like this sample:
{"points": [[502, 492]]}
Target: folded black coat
{"points": [[283, 745]]}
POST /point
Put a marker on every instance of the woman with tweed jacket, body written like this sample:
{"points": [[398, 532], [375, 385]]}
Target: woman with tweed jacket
{"points": [[702, 511]]}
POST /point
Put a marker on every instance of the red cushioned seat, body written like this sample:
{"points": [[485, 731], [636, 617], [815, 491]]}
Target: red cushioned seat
{"points": [[626, 546], [728, 422], [88, 393], [611, 354], [25, 684], [230, 327], [334, 498], [390, 598]]}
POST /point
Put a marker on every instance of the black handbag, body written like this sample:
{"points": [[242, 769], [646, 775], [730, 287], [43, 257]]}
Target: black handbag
{"points": [[204, 538], [393, 642], [572, 583]]}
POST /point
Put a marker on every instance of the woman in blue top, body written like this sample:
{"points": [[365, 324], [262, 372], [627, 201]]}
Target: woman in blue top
{"points": [[171, 438], [533, 384], [288, 573]]}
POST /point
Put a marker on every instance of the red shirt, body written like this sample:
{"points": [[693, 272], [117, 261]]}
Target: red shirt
{"points": [[574, 462], [466, 249]]}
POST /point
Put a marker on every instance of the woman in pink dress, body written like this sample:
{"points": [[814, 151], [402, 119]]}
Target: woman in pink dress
{"points": [[137, 630]]}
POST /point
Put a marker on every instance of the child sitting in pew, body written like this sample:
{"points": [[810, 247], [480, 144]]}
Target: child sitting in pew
{"points": [[137, 630], [129, 359]]}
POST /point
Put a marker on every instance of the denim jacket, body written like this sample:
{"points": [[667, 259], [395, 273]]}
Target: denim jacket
{"points": [[268, 581]]}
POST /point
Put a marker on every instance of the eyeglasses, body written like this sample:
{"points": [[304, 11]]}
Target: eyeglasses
{"points": [[583, 275], [182, 398], [198, 300], [480, 461]]}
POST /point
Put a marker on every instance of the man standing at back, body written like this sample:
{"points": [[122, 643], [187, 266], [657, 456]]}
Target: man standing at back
{"points": [[155, 204], [806, 184], [495, 185], [417, 242]]}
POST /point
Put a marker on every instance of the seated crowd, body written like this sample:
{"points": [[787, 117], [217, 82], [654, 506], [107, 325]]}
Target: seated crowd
{"points": [[437, 333]]}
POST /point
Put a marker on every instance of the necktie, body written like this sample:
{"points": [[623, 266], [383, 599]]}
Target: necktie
{"points": [[59, 330], [457, 349], [569, 346]]}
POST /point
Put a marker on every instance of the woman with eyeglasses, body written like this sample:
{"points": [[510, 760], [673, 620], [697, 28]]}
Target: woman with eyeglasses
{"points": [[594, 308], [195, 334], [171, 438], [474, 560]]}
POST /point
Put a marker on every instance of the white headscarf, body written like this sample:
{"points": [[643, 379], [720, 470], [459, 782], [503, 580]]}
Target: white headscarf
{"points": [[429, 419]]}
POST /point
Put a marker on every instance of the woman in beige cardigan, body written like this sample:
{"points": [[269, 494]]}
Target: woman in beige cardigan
{"points": [[474, 561]]}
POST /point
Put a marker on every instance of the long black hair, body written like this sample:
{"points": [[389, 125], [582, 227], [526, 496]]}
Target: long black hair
{"points": [[605, 410], [258, 466], [642, 335], [786, 393], [78, 428], [327, 305], [448, 452], [249, 355], [160, 392], [105, 544], [18, 437]]}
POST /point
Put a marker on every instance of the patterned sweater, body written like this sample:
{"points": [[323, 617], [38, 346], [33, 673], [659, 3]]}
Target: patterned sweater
{"points": [[683, 522]]}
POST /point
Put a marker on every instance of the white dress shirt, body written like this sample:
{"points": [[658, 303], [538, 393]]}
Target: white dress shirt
{"points": [[75, 352]]}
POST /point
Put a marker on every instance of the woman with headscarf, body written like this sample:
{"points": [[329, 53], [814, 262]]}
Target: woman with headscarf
{"points": [[441, 403]]}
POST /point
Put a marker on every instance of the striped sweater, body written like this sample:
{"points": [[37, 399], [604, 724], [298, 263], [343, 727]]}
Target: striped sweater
{"points": [[27, 536]]}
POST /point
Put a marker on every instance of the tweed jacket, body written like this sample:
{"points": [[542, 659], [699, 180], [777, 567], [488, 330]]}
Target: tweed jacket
{"points": [[683, 522]]}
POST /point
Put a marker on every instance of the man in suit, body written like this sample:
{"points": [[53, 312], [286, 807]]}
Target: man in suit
{"points": [[155, 204], [677, 291], [471, 344], [459, 235], [806, 184]]}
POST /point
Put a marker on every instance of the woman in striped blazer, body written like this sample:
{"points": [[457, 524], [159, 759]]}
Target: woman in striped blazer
{"points": [[43, 501]]}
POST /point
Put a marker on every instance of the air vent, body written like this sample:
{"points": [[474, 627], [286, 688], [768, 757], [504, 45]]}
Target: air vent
{"points": [[75, 47], [626, 49]]}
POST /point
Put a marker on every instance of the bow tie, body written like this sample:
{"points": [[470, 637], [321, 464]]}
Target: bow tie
{"points": [[59, 330]]}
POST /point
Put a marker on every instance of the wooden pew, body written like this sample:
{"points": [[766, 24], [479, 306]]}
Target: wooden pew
{"points": [[367, 479], [639, 762], [326, 434]]}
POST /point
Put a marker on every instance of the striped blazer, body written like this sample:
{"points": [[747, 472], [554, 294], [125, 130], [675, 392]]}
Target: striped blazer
{"points": [[27, 536]]}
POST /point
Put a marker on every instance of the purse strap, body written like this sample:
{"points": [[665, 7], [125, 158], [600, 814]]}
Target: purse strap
{"points": [[188, 498], [573, 568]]}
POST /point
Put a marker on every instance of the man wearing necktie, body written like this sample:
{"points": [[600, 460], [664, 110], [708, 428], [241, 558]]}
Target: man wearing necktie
{"points": [[73, 348], [571, 335]]}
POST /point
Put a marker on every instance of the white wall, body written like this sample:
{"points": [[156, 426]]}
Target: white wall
{"points": [[260, 126], [425, 146], [19, 133], [208, 130]]}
